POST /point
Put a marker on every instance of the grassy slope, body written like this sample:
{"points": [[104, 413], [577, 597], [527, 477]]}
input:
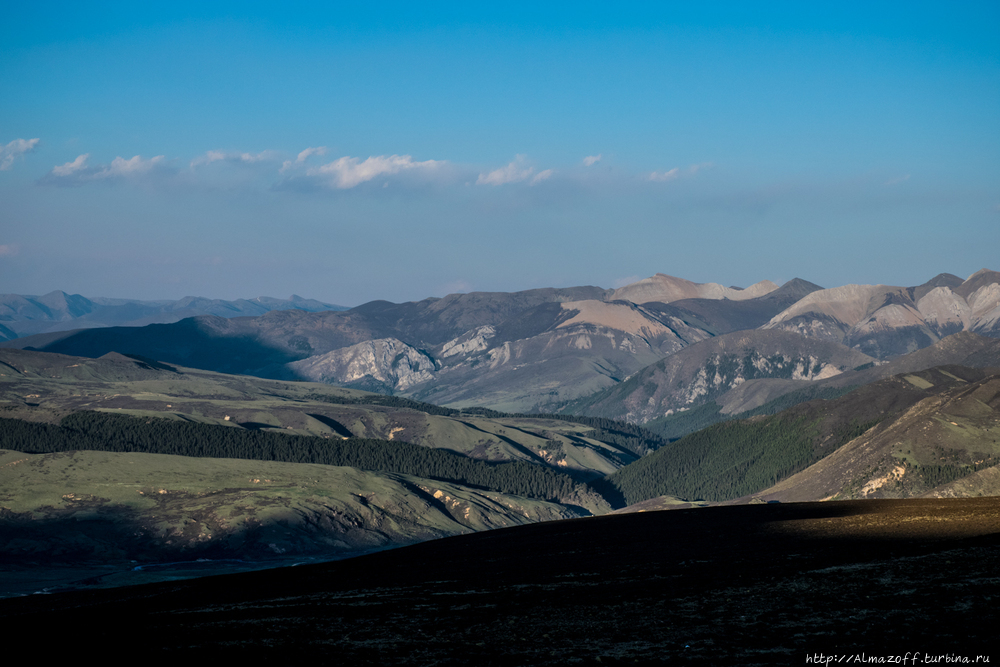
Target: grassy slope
{"points": [[945, 445], [739, 458], [46, 387], [88, 505], [79, 507]]}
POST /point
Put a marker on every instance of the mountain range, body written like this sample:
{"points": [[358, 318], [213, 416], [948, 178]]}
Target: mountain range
{"points": [[118, 459], [554, 349], [24, 315], [332, 433]]}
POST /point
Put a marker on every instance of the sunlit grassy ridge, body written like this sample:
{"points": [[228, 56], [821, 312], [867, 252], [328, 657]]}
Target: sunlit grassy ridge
{"points": [[83, 504]]}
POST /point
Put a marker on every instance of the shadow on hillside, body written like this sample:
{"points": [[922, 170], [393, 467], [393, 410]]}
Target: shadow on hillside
{"points": [[190, 343], [332, 424], [726, 585]]}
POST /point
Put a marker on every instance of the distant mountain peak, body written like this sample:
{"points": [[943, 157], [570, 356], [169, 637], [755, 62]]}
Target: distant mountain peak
{"points": [[948, 280], [662, 288], [795, 286]]}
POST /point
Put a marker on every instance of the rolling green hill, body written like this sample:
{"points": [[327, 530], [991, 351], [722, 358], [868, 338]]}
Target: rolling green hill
{"points": [[46, 387], [85, 518]]}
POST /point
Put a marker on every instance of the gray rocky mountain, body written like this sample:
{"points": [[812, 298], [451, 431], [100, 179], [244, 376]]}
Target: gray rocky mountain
{"points": [[773, 391], [706, 371]]}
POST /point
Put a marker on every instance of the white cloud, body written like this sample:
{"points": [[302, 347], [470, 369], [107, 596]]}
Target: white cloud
{"points": [[591, 160], [898, 180], [134, 165], [663, 176], [515, 172], [317, 150], [78, 171], [8, 250], [208, 158], [218, 156], [348, 172], [541, 176], [16, 148], [695, 168], [71, 167]]}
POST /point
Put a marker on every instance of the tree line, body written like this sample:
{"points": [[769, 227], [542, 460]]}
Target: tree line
{"points": [[99, 431]]}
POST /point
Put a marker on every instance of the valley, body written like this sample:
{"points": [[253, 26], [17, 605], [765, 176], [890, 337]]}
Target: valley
{"points": [[137, 455]]}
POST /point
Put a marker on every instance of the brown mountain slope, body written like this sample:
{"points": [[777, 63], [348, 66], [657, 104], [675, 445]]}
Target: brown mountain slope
{"points": [[885, 321], [521, 352], [665, 289], [722, 316]]}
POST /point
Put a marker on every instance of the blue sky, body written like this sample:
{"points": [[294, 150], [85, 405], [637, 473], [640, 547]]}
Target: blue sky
{"points": [[350, 154]]}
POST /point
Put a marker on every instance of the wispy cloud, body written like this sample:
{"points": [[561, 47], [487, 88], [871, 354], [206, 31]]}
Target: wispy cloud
{"points": [[541, 176], [70, 168], [663, 176], [15, 149], [515, 172], [898, 180], [677, 172], [224, 156], [8, 250], [348, 172], [79, 172], [591, 160], [302, 157]]}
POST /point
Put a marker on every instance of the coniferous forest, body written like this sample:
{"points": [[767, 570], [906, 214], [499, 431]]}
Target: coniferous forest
{"points": [[122, 433]]}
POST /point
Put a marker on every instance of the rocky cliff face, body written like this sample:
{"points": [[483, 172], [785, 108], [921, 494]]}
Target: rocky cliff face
{"points": [[704, 371], [387, 360]]}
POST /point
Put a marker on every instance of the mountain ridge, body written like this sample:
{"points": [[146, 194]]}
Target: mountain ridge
{"points": [[546, 349], [57, 311]]}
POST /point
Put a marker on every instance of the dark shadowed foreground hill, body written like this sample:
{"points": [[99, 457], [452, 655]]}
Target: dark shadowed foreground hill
{"points": [[748, 585]]}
